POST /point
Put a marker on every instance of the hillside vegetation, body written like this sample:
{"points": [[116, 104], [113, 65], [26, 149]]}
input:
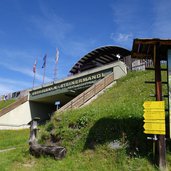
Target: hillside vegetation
{"points": [[6, 103], [116, 116], [106, 135]]}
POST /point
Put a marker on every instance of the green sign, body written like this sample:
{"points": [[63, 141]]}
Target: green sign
{"points": [[73, 84]]}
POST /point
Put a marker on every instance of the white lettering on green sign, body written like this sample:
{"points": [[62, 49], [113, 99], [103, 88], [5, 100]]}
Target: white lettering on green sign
{"points": [[71, 84]]}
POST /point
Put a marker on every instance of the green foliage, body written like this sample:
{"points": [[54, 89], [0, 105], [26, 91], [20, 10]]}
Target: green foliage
{"points": [[44, 136], [82, 122], [49, 126], [18, 142], [6, 103], [13, 138]]}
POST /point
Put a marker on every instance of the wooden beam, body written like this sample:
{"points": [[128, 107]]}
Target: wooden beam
{"points": [[152, 41], [140, 55], [161, 143]]}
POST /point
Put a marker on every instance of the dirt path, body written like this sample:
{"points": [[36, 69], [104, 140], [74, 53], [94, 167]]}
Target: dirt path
{"points": [[9, 149]]}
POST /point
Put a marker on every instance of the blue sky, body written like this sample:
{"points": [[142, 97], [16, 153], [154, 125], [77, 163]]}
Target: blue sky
{"points": [[31, 28]]}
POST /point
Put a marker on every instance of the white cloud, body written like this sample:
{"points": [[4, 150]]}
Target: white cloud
{"points": [[24, 70], [9, 85], [5, 89], [142, 19], [21, 62], [121, 37], [14, 56], [13, 82], [133, 19]]}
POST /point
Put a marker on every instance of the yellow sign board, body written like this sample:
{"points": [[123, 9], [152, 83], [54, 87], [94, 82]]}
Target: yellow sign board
{"points": [[153, 110], [154, 121], [154, 105], [155, 132], [154, 115], [154, 126]]}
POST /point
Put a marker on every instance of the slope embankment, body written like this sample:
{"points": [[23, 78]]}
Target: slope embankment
{"points": [[13, 105], [14, 116], [115, 116]]}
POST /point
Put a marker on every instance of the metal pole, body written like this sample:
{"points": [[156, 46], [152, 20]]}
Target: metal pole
{"points": [[55, 72], [34, 79], [161, 144], [44, 74]]}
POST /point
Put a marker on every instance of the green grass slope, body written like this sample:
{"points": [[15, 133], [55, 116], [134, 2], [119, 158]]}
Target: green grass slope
{"points": [[116, 116], [6, 103], [90, 132]]}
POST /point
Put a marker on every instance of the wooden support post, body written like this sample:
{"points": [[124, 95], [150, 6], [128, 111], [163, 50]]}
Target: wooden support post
{"points": [[161, 144]]}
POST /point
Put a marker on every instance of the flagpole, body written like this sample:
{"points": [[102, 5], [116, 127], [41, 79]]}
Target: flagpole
{"points": [[55, 72], [34, 71], [34, 79], [56, 62], [44, 74], [44, 66]]}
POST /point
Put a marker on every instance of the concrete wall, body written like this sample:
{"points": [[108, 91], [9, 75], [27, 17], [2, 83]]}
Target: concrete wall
{"points": [[119, 70], [20, 116], [16, 118]]}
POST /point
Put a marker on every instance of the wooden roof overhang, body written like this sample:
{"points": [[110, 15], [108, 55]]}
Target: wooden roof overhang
{"points": [[100, 56], [144, 48]]}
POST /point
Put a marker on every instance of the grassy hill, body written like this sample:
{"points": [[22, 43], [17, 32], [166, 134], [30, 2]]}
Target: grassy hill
{"points": [[106, 135], [6, 103]]}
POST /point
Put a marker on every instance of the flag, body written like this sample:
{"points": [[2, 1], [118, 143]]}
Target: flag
{"points": [[34, 66], [44, 61], [57, 56], [5, 97]]}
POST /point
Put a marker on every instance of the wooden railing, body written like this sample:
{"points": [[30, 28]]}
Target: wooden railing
{"points": [[13, 105], [89, 93]]}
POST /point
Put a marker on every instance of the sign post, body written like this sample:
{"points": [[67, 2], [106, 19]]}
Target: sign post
{"points": [[161, 143], [169, 87], [156, 50], [57, 103]]}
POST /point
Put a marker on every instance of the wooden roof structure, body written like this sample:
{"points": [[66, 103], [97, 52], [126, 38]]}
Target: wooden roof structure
{"points": [[144, 48], [98, 57]]}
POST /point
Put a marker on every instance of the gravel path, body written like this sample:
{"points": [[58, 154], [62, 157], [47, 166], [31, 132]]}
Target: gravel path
{"points": [[9, 149]]}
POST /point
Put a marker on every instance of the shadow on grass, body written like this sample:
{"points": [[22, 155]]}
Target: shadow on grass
{"points": [[127, 131]]}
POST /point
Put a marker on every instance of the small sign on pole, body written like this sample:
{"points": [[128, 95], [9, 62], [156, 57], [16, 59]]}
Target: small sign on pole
{"points": [[57, 103]]}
